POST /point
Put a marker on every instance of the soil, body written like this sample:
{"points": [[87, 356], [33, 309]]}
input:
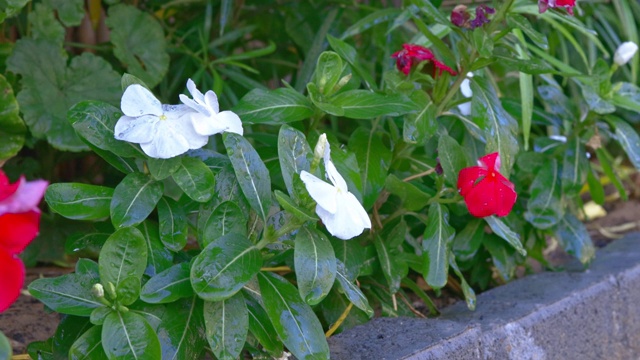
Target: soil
{"points": [[27, 321]]}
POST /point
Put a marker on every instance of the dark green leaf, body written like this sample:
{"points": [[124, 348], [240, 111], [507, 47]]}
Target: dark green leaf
{"points": [[95, 121], [251, 173], [224, 266], [518, 21], [69, 329], [483, 42], [431, 11], [70, 12], [452, 158], [123, 255], [605, 161], [348, 53], [374, 159], [351, 291], [12, 127], [595, 187], [533, 66], [575, 166], [420, 126], [173, 223], [160, 258], [502, 230], [168, 286], [79, 201], [315, 264], [227, 324], [502, 256], [50, 88], [278, 106], [574, 238], [294, 154], [195, 179], [134, 199], [128, 290], [469, 294], [628, 139], [226, 218], [392, 269], [181, 330], [364, 104], [99, 314], [328, 72], [627, 96], [352, 255], [412, 197], [128, 336], [11, 8], [436, 246], [294, 320], [88, 346], [288, 205], [545, 208], [139, 43], [68, 294], [260, 326], [161, 169], [467, 242], [375, 18]]}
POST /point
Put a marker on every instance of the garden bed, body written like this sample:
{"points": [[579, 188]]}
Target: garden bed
{"points": [[591, 314]]}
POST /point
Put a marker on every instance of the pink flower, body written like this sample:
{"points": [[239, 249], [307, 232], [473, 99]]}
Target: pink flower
{"points": [[19, 225], [485, 191], [543, 5], [412, 54]]}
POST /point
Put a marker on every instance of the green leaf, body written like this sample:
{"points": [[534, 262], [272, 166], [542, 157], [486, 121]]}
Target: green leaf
{"points": [[129, 336], [420, 126], [483, 42], [224, 266], [328, 72], [364, 104], [503, 256], [412, 197], [374, 159], [278, 106], [128, 290], [161, 169], [320, 101], [79, 201], [160, 258], [139, 43], [181, 331], [251, 173], [5, 347], [498, 125], [605, 161], [68, 294], [431, 11], [50, 88], [436, 246], [628, 139], [352, 255], [10, 8], [88, 346], [595, 187], [350, 55], [134, 199], [294, 154], [288, 205], [469, 294], [45, 26], [575, 166], [315, 265], [574, 237], [12, 127], [70, 12], [351, 291], [452, 158], [502, 230], [227, 324], [518, 21], [467, 242], [94, 121], [168, 286], [532, 66], [195, 179], [99, 314], [69, 329], [375, 18], [123, 255], [260, 326], [545, 208], [392, 269], [627, 96], [174, 226], [295, 323], [226, 218]]}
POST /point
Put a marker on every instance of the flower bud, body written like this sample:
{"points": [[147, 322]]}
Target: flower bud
{"points": [[319, 151], [460, 17], [97, 290], [625, 52]]}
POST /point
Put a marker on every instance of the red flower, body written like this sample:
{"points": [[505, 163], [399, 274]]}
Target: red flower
{"points": [[486, 192], [19, 224], [412, 54], [543, 5]]}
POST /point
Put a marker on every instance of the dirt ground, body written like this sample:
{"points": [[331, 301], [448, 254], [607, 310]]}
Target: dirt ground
{"points": [[27, 321]]}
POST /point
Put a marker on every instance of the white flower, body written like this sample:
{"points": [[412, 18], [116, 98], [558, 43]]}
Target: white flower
{"points": [[321, 147], [207, 118], [163, 131], [340, 211], [465, 89], [625, 52]]}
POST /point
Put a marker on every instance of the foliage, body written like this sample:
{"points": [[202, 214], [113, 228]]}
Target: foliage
{"points": [[220, 250]]}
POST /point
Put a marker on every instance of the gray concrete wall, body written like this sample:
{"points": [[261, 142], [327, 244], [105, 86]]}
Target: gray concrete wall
{"points": [[591, 314]]}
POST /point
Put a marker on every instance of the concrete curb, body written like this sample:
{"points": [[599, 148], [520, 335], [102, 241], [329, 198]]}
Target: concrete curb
{"points": [[592, 314]]}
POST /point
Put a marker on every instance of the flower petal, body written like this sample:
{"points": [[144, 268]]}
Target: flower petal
{"points": [[194, 105], [211, 100], [323, 193], [6, 188], [468, 177], [195, 93], [232, 122], [490, 197], [18, 230], [11, 279], [350, 219], [491, 161], [334, 176], [138, 101], [26, 198], [137, 130], [166, 144]]}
